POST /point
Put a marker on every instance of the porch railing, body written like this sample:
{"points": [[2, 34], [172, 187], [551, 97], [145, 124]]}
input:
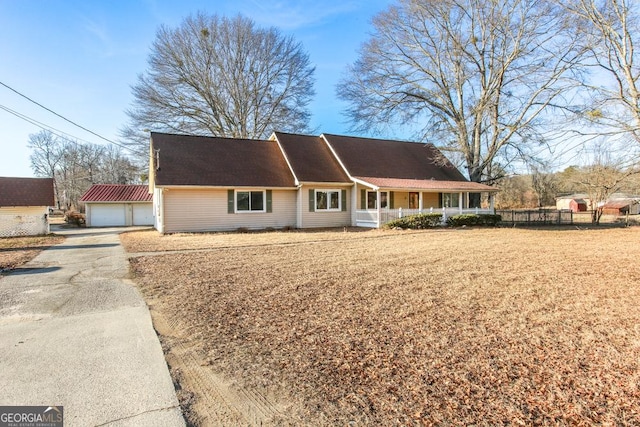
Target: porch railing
{"points": [[369, 217]]}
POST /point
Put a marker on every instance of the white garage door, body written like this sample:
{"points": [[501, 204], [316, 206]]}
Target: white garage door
{"points": [[108, 215], [143, 214]]}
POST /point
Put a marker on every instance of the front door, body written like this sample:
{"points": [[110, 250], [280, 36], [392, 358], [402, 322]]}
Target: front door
{"points": [[414, 200]]}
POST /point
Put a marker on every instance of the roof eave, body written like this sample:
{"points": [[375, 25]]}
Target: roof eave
{"points": [[222, 187]]}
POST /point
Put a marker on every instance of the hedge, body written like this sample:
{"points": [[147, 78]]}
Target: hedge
{"points": [[431, 220], [473, 219], [426, 220]]}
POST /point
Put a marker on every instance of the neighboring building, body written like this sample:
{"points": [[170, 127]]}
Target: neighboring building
{"points": [[578, 205], [621, 207], [617, 204], [300, 181], [574, 202], [24, 206], [115, 205]]}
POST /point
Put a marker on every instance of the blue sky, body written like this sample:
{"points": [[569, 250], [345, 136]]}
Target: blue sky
{"points": [[80, 58]]}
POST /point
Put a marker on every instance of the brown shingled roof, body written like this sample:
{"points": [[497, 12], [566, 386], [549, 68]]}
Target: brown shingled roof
{"points": [[392, 159], [225, 162], [117, 193], [311, 159], [26, 191]]}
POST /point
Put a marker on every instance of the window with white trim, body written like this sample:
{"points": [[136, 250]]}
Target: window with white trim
{"points": [[450, 200], [328, 200], [372, 199], [250, 201]]}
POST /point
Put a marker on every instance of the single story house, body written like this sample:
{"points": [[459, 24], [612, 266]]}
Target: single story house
{"points": [[114, 205], [24, 206], [301, 181]]}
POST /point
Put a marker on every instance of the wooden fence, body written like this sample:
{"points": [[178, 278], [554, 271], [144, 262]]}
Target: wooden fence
{"points": [[536, 217]]}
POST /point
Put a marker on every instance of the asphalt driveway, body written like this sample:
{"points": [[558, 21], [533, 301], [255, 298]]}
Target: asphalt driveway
{"points": [[75, 332]]}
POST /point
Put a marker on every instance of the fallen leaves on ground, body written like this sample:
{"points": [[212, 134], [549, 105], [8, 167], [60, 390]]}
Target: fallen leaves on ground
{"points": [[485, 327], [15, 251]]}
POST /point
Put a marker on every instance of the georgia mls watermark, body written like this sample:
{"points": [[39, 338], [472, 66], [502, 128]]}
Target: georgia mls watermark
{"points": [[31, 416]]}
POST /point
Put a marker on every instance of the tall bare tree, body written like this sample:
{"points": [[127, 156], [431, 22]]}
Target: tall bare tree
{"points": [[45, 157], [74, 167], [610, 29], [476, 76], [223, 77]]}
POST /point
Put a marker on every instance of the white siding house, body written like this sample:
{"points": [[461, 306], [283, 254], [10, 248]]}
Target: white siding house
{"points": [[302, 181]]}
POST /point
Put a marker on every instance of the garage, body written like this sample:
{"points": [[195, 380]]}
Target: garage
{"points": [[106, 215], [143, 214], [118, 205]]}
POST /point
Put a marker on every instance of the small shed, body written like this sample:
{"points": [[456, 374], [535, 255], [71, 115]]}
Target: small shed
{"points": [[118, 205], [578, 205], [24, 206], [577, 202], [620, 207]]}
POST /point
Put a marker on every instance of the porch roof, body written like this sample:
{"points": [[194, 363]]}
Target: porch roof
{"points": [[422, 184]]}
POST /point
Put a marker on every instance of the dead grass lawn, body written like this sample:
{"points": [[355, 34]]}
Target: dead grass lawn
{"points": [[15, 251], [484, 327], [152, 241]]}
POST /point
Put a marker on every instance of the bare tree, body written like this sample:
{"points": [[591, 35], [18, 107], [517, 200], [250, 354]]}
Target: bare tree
{"points": [[116, 168], [46, 154], [476, 75], [515, 192], [611, 30], [545, 185], [223, 77], [606, 174], [75, 167]]}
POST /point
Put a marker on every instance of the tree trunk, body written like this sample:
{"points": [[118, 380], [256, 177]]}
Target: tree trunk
{"points": [[475, 175]]}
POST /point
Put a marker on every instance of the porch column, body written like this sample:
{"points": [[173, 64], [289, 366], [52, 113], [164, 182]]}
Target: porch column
{"points": [[378, 207], [354, 205], [491, 201], [460, 199], [420, 206], [299, 201]]}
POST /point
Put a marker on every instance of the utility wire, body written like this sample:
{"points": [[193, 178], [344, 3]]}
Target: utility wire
{"points": [[57, 132], [64, 118]]}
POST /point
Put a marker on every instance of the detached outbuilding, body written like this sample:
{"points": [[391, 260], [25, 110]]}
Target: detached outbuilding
{"points": [[24, 206], [573, 202], [118, 205], [621, 207]]}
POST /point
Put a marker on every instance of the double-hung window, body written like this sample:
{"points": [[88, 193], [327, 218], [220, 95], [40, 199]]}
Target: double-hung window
{"points": [[250, 201], [450, 200], [328, 200], [372, 200]]}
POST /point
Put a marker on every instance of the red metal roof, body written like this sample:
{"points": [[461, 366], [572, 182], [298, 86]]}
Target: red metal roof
{"points": [[617, 204], [26, 191], [429, 184], [117, 193]]}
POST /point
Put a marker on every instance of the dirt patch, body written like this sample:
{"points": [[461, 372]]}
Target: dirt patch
{"points": [[503, 326], [15, 251]]}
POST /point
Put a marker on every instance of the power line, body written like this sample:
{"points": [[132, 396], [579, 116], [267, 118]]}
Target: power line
{"points": [[64, 118], [59, 133]]}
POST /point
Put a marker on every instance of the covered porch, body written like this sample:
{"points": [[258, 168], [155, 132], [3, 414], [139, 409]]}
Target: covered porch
{"points": [[377, 218], [380, 204]]}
